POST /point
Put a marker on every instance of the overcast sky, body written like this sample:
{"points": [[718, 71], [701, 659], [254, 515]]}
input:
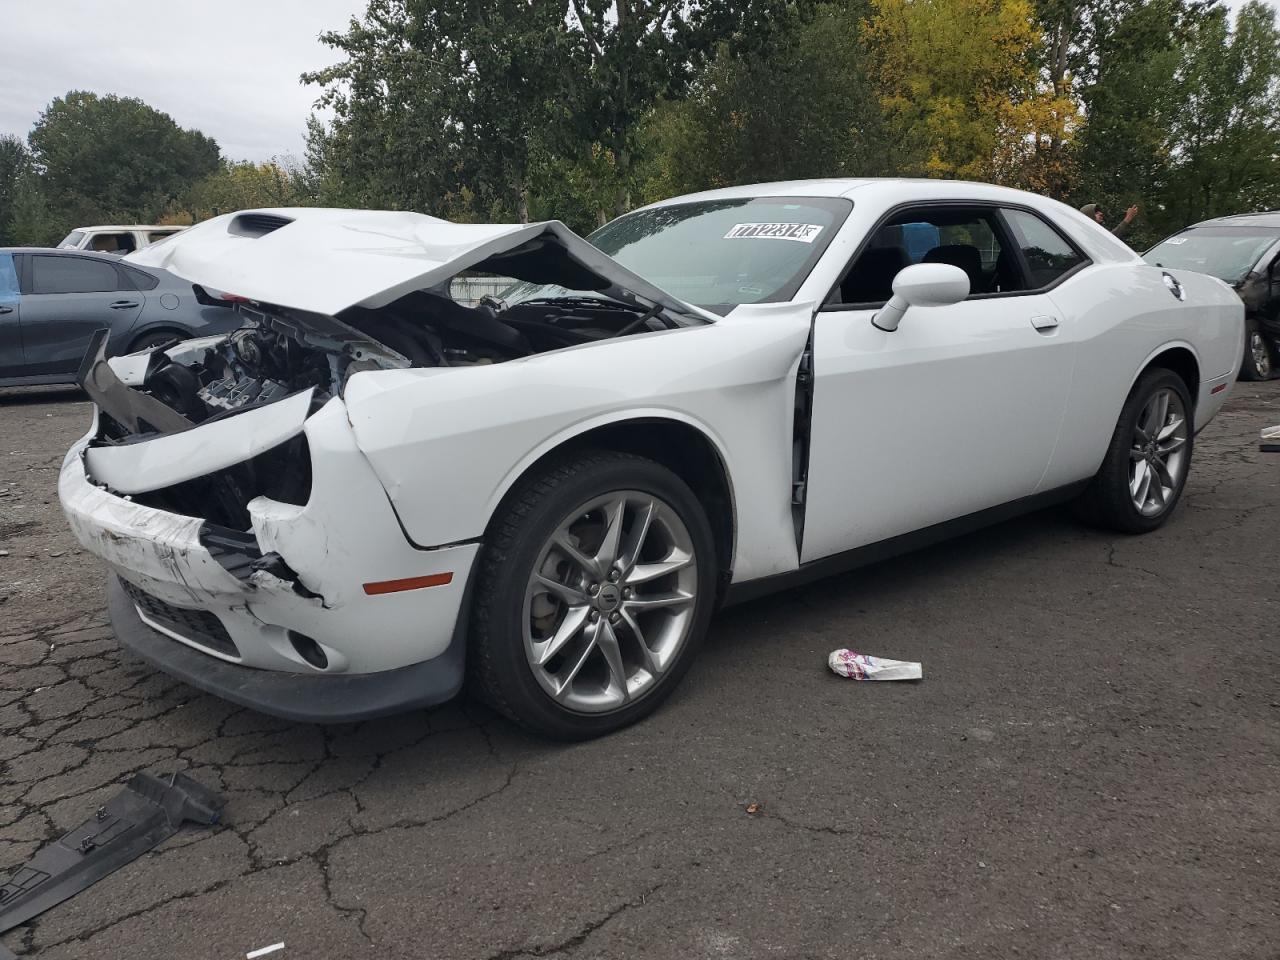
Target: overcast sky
{"points": [[226, 67]]}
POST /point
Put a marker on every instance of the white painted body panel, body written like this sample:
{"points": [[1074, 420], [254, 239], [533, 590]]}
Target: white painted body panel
{"points": [[963, 407], [955, 411], [325, 261], [449, 443], [164, 461]]}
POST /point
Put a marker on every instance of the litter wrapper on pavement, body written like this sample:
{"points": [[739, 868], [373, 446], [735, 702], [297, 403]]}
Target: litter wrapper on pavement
{"points": [[859, 666]]}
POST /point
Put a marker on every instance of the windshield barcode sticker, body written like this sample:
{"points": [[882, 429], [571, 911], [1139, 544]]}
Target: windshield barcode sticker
{"points": [[800, 232]]}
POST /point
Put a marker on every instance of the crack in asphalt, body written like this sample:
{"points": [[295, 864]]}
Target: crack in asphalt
{"points": [[581, 936], [152, 699], [78, 716]]}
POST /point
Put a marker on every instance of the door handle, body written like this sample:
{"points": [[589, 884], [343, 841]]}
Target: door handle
{"points": [[6, 309], [123, 304], [1044, 323]]}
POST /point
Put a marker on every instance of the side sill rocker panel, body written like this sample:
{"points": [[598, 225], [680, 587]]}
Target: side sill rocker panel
{"points": [[895, 546]]}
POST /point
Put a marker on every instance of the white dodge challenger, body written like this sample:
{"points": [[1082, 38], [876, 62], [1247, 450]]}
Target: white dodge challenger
{"points": [[377, 487]]}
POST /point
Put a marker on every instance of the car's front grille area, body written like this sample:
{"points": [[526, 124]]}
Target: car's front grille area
{"points": [[199, 626]]}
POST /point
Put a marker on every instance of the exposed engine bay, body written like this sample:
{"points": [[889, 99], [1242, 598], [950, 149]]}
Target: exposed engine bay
{"points": [[279, 352]]}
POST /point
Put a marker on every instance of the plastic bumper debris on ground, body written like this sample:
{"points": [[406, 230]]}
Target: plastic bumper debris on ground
{"points": [[147, 811]]}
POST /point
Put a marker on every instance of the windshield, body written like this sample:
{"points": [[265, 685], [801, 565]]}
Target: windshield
{"points": [[71, 241], [1227, 253], [718, 254]]}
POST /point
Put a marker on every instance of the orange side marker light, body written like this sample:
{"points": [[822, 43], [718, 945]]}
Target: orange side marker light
{"points": [[408, 583]]}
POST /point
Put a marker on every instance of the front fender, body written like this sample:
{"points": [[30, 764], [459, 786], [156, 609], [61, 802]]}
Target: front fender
{"points": [[448, 443]]}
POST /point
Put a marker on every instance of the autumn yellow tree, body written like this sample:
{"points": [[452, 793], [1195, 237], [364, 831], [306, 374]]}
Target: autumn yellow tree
{"points": [[962, 95]]}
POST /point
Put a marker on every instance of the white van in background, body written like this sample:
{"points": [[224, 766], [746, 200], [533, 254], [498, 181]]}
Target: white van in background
{"points": [[117, 239]]}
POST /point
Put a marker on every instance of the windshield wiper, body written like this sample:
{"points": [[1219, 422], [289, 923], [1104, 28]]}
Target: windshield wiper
{"points": [[580, 302]]}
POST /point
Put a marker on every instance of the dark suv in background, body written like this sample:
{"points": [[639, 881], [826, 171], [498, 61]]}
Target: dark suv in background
{"points": [[52, 301], [1243, 250]]}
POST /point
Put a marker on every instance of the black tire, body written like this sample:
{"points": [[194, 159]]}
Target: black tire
{"points": [[1259, 353], [1108, 502], [499, 669], [151, 339]]}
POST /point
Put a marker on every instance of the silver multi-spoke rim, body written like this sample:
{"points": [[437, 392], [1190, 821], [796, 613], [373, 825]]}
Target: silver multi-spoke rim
{"points": [[611, 600], [1261, 354], [1158, 456]]}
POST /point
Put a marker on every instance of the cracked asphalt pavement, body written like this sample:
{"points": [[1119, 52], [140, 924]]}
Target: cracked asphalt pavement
{"points": [[1089, 768]]}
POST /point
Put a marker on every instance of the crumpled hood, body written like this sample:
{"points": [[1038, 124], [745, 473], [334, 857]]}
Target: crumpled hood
{"points": [[326, 260]]}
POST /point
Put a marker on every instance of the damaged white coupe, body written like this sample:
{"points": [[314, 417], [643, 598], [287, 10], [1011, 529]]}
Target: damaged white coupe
{"points": [[381, 484]]}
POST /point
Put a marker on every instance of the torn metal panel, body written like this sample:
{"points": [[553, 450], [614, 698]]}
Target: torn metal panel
{"points": [[165, 460], [147, 811]]}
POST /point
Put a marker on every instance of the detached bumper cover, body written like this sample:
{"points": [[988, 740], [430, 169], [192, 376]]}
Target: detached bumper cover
{"points": [[302, 698]]}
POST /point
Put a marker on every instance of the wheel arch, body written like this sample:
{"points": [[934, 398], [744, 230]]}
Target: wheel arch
{"points": [[685, 446], [1179, 357], [138, 334]]}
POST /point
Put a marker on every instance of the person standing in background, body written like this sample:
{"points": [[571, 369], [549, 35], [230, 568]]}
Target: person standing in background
{"points": [[1093, 211]]}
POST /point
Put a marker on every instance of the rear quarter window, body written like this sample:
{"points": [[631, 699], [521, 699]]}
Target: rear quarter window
{"points": [[1049, 256], [140, 280]]}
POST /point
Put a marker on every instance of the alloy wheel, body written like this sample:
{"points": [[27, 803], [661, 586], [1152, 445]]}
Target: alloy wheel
{"points": [[1158, 453], [610, 602], [1261, 354]]}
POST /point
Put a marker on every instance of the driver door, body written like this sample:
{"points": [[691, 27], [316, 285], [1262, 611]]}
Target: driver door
{"points": [[956, 411]]}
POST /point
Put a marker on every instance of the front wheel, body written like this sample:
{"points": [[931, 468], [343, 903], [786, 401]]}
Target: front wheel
{"points": [[1257, 363], [595, 587], [1146, 464]]}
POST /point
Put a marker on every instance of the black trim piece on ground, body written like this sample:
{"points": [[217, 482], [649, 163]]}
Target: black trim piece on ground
{"points": [[895, 546], [147, 811], [300, 697]]}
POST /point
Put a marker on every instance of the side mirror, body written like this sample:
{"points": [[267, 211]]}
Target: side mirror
{"points": [[922, 285]]}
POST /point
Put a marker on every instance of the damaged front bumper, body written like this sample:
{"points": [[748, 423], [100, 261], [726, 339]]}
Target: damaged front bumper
{"points": [[279, 617]]}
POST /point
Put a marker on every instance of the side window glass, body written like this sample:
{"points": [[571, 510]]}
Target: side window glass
{"points": [[8, 278], [113, 243], [72, 275], [141, 281], [962, 237], [1048, 254]]}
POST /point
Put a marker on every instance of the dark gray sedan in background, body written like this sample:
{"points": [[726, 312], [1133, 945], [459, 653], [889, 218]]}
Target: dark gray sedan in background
{"points": [[51, 302], [1243, 250]]}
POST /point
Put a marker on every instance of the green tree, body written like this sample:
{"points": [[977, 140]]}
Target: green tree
{"points": [[15, 167], [24, 215], [110, 158], [240, 185], [1224, 137], [1124, 152], [740, 123], [440, 106], [482, 109]]}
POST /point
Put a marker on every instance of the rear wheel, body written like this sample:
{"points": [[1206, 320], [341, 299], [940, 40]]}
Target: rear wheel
{"points": [[1146, 465], [1258, 362], [595, 587]]}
